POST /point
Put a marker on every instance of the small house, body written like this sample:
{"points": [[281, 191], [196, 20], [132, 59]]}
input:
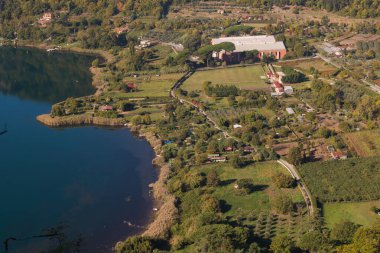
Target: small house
{"points": [[105, 108], [338, 155], [237, 126], [228, 149]]}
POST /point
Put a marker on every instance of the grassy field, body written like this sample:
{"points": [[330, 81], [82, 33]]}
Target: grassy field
{"points": [[242, 77], [357, 212], [154, 86], [364, 143], [305, 65], [355, 179], [260, 199], [255, 209]]}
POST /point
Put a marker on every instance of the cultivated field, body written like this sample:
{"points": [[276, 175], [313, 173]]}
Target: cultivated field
{"points": [[364, 143], [357, 212], [241, 77], [356, 179]]}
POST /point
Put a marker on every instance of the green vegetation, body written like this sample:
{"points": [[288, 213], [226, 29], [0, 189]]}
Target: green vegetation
{"points": [[361, 213], [355, 179], [242, 77], [364, 143]]}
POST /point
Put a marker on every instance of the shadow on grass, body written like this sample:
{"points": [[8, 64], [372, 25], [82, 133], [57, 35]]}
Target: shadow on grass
{"points": [[227, 182], [224, 206], [260, 187]]}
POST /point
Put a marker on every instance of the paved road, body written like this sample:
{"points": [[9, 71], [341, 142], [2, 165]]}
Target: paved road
{"points": [[304, 191]]}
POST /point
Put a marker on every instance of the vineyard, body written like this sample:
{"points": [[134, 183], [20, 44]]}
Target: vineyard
{"points": [[356, 179]]}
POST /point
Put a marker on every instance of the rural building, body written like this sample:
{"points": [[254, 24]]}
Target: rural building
{"points": [[46, 18], [266, 45], [338, 155], [105, 108]]}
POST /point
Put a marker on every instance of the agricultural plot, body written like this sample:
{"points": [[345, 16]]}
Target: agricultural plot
{"points": [[356, 179], [304, 65], [151, 86], [364, 143], [358, 212], [249, 78], [237, 112], [256, 207], [260, 199]]}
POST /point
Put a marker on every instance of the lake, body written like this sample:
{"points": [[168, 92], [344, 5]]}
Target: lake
{"points": [[92, 181]]}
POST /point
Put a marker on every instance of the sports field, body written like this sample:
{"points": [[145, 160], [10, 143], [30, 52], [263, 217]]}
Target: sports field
{"points": [[357, 212], [242, 77], [364, 143]]}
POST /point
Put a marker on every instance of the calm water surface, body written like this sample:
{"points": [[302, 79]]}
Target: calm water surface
{"points": [[94, 181]]}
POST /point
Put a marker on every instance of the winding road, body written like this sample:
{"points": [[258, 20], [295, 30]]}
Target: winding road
{"points": [[292, 170]]}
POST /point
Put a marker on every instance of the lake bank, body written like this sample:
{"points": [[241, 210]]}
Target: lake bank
{"points": [[27, 96], [164, 201]]}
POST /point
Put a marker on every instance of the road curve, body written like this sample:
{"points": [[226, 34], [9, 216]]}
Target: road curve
{"points": [[183, 101], [305, 193]]}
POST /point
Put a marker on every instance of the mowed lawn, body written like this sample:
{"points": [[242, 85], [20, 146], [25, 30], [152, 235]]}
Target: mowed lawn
{"points": [[242, 77], [260, 198], [364, 143], [357, 212], [155, 86]]}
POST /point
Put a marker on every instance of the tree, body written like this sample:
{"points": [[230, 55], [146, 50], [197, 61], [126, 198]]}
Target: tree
{"points": [[282, 244], [57, 110], [283, 181], [325, 20], [135, 244], [312, 241], [283, 204], [366, 240], [344, 231], [245, 185], [236, 161], [295, 156], [213, 178], [95, 63]]}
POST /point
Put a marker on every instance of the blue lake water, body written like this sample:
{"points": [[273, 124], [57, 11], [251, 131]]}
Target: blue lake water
{"points": [[94, 181]]}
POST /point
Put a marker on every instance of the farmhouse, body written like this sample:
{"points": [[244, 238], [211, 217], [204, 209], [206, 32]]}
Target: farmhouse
{"points": [[266, 45]]}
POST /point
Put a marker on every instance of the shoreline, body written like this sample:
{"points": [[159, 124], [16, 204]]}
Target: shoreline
{"points": [[167, 212]]}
